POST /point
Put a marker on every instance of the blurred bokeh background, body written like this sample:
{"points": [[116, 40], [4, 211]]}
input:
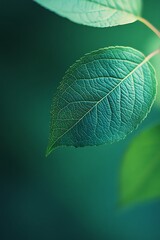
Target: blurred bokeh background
{"points": [[72, 194]]}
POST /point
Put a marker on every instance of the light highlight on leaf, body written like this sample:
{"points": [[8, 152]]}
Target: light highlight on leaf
{"points": [[103, 97], [97, 13]]}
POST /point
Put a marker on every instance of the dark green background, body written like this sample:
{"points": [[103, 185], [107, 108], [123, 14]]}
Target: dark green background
{"points": [[73, 194]]}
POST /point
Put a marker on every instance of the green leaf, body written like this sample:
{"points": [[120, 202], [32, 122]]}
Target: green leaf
{"points": [[140, 172], [103, 97], [96, 13]]}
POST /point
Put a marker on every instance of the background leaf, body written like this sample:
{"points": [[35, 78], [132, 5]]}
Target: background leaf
{"points": [[97, 13], [140, 173], [103, 97]]}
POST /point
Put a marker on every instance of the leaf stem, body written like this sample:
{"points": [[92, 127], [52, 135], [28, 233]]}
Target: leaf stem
{"points": [[150, 26], [151, 55]]}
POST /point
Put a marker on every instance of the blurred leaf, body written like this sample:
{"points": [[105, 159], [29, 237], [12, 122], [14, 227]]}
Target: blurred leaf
{"points": [[103, 97], [97, 13], [140, 173]]}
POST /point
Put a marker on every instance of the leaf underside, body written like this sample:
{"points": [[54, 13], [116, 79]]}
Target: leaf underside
{"points": [[97, 13], [140, 173], [103, 97]]}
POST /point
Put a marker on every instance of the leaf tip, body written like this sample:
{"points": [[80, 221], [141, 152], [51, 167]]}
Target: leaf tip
{"points": [[48, 151]]}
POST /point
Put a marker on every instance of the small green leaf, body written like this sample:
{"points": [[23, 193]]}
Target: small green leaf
{"points": [[96, 13], [140, 173], [103, 97]]}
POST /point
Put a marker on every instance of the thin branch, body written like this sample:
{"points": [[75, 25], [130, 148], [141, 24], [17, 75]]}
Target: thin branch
{"points": [[151, 55], [150, 26]]}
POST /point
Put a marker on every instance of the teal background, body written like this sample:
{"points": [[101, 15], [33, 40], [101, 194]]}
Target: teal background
{"points": [[72, 194]]}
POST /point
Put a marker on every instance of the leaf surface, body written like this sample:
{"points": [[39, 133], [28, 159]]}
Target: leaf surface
{"points": [[140, 173], [103, 97], [97, 13]]}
